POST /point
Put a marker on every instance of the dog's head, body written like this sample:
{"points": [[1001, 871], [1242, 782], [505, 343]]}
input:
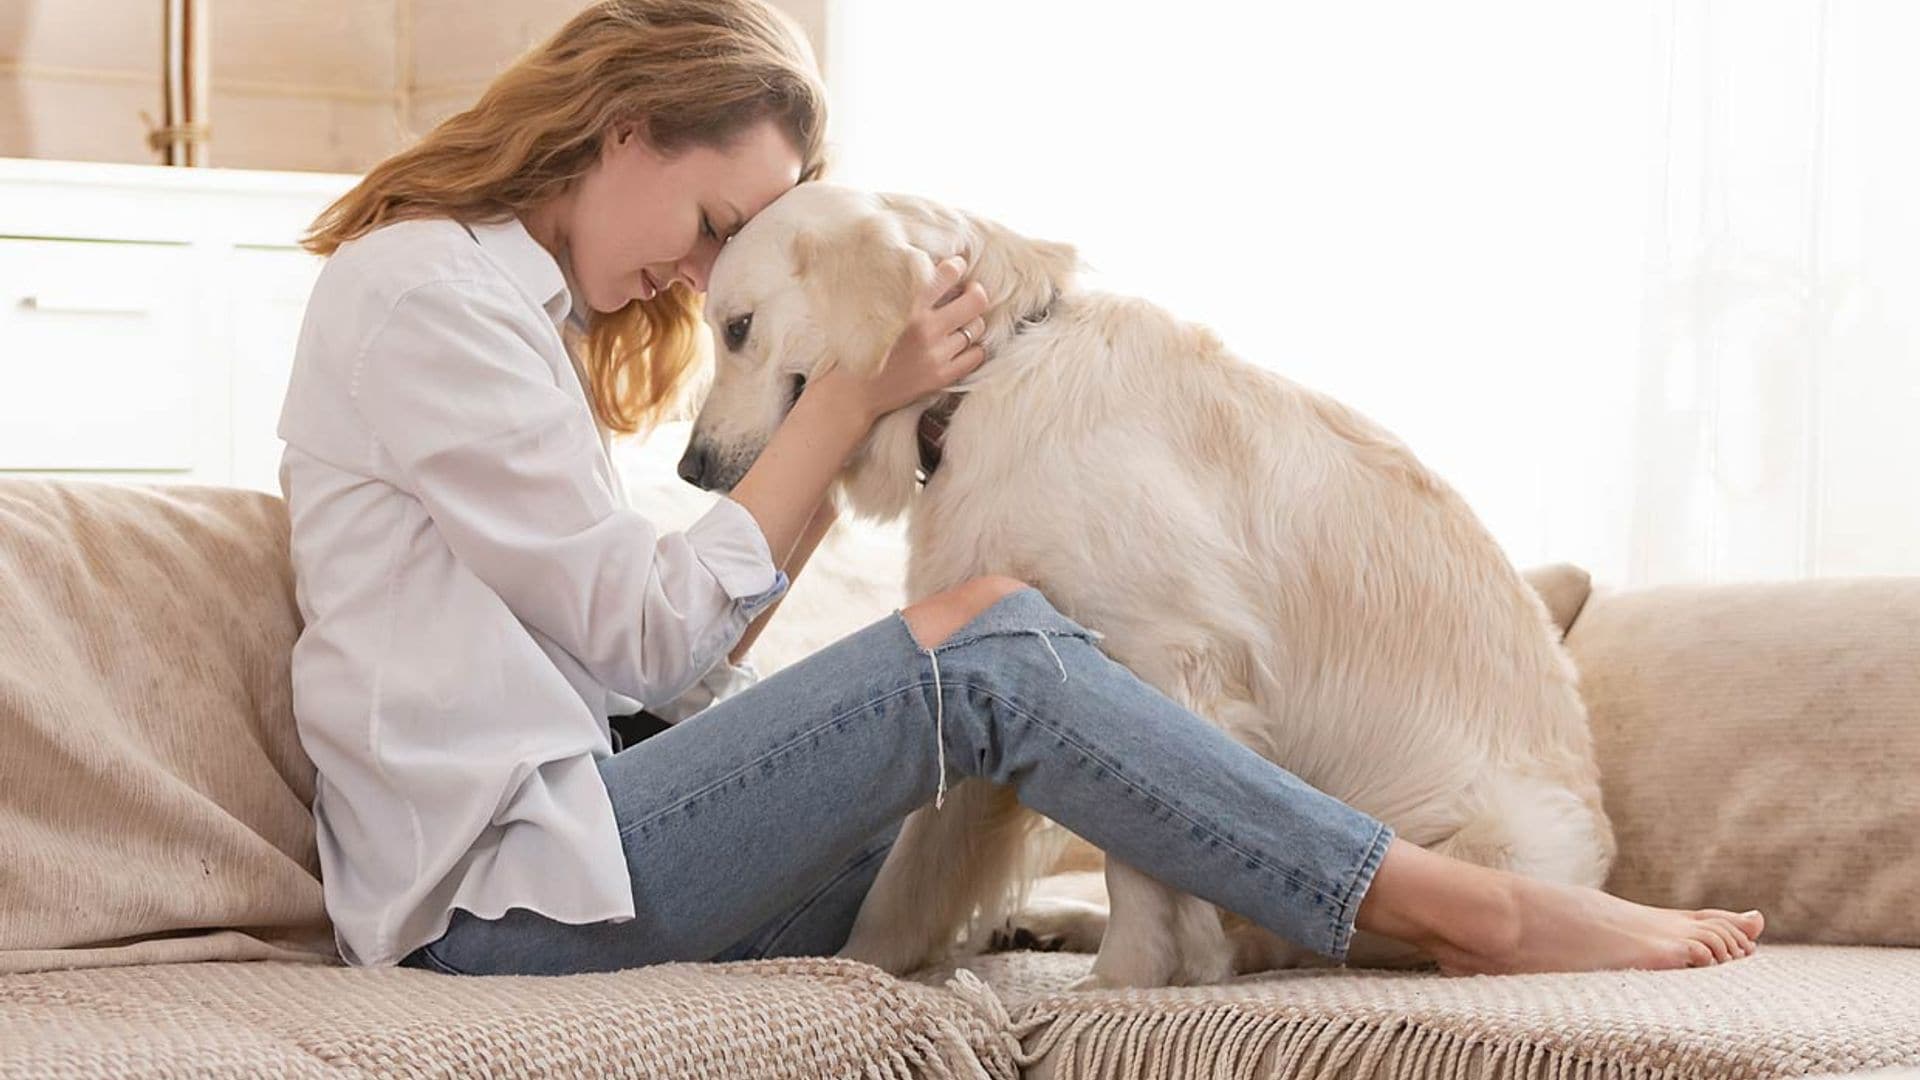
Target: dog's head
{"points": [[828, 275]]}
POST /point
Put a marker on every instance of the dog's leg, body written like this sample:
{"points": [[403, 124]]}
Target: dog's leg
{"points": [[1140, 947], [1206, 956], [1069, 913], [944, 865]]}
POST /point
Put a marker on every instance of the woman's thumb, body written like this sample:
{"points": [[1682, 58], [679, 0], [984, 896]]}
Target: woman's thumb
{"points": [[947, 273]]}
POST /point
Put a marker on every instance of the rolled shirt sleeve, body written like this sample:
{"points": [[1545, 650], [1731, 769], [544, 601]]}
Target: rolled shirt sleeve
{"points": [[472, 422]]}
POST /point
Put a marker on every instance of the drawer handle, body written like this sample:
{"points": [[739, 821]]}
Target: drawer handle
{"points": [[81, 305]]}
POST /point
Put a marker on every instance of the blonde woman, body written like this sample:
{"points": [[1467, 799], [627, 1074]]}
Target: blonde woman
{"points": [[482, 607]]}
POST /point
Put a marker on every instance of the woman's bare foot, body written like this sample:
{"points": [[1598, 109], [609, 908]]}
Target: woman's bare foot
{"points": [[1476, 920]]}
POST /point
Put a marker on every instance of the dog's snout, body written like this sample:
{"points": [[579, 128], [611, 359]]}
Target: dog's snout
{"points": [[696, 464]]}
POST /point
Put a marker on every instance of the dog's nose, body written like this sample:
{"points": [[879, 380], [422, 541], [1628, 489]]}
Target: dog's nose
{"points": [[694, 464]]}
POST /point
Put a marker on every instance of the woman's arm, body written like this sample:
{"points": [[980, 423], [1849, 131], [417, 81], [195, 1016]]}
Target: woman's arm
{"points": [[824, 516]]}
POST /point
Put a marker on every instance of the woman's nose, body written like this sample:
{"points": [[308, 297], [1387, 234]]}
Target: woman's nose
{"points": [[694, 271]]}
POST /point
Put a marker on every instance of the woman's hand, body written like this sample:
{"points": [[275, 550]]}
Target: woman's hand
{"points": [[939, 346]]}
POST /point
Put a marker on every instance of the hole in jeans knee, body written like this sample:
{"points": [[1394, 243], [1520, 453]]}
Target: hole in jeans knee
{"points": [[933, 622]]}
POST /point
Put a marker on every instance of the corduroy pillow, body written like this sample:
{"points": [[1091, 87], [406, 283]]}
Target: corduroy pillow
{"points": [[154, 797], [1759, 747]]}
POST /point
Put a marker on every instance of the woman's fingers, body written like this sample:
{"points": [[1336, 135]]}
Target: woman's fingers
{"points": [[940, 344], [966, 337], [963, 364], [971, 304], [946, 274]]}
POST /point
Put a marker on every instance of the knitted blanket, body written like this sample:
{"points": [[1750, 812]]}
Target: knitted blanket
{"points": [[790, 1019], [1788, 1010]]}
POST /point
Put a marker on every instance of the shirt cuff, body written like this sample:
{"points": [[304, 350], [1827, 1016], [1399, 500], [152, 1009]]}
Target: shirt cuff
{"points": [[729, 543], [720, 682], [751, 606]]}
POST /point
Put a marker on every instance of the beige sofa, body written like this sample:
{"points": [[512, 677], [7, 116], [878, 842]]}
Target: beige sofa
{"points": [[160, 908]]}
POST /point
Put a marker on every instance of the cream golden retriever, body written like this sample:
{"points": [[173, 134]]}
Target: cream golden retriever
{"points": [[1260, 553]]}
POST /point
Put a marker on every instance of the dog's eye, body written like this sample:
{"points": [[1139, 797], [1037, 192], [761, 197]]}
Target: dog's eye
{"points": [[736, 331]]}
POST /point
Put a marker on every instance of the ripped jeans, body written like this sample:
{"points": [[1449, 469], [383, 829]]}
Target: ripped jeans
{"points": [[755, 827]]}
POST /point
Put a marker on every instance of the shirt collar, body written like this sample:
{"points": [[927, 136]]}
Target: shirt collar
{"points": [[533, 269]]}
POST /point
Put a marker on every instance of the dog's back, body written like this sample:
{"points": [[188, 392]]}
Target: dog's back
{"points": [[1278, 563]]}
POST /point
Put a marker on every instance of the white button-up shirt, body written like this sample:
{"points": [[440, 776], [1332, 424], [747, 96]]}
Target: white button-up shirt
{"points": [[477, 594]]}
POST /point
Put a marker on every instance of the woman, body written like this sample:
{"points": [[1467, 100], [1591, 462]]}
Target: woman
{"points": [[479, 601]]}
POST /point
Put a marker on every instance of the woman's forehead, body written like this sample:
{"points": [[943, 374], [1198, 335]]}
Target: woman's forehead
{"points": [[753, 170]]}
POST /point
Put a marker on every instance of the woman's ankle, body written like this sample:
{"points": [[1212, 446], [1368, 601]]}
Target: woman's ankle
{"points": [[1436, 903]]}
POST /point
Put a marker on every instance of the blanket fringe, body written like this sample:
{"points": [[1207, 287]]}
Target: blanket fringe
{"points": [[947, 1053], [942, 1054], [1226, 1041]]}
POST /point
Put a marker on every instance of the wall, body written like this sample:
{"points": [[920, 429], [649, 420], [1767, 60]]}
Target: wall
{"points": [[328, 87]]}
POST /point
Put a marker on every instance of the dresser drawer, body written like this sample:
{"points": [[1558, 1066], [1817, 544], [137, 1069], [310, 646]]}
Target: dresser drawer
{"points": [[96, 370]]}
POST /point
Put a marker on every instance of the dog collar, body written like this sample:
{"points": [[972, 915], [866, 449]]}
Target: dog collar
{"points": [[932, 430], [933, 434]]}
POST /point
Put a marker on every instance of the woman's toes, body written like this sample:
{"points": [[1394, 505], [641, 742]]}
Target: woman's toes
{"points": [[1699, 954], [1742, 944], [1718, 940], [1737, 938], [1751, 923]]}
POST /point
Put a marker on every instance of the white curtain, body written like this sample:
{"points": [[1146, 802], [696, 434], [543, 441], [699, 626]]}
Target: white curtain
{"points": [[1641, 279]]}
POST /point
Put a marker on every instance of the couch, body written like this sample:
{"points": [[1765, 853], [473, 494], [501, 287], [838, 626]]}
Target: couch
{"points": [[160, 908]]}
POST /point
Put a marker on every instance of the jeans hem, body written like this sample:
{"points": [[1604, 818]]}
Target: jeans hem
{"points": [[1349, 908]]}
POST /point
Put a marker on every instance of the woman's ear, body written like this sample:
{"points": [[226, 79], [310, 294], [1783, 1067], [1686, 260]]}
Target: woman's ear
{"points": [[625, 130]]}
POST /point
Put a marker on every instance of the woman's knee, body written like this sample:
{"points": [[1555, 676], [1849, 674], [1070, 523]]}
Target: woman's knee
{"points": [[935, 619]]}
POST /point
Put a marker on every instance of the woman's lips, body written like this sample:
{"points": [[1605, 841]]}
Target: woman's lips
{"points": [[652, 287]]}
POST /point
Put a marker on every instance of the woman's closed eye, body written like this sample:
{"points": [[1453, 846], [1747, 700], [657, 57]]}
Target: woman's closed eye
{"points": [[706, 227]]}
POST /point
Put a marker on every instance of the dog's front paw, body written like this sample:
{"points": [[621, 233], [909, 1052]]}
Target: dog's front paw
{"points": [[1203, 967], [1014, 938], [1093, 980], [892, 958], [1053, 925]]}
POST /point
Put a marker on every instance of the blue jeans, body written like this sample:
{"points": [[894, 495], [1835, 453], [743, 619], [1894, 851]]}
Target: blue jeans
{"points": [[755, 827]]}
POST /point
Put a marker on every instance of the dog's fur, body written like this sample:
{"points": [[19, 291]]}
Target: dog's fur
{"points": [[1265, 556]]}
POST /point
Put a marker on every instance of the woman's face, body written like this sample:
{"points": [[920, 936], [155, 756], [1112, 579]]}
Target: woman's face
{"points": [[638, 221]]}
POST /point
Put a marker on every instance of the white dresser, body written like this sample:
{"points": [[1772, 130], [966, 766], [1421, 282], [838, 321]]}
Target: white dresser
{"points": [[148, 317]]}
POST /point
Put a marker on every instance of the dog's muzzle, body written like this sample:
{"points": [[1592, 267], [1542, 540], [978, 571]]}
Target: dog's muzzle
{"points": [[699, 465]]}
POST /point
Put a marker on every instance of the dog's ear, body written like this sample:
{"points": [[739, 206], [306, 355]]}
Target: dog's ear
{"points": [[1021, 275], [935, 229], [861, 281]]}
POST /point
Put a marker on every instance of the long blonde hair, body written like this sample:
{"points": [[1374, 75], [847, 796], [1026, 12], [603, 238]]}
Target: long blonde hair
{"points": [[699, 71]]}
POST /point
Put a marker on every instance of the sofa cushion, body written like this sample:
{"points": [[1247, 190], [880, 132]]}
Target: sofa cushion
{"points": [[153, 792], [760, 1018], [1758, 748], [1787, 1010]]}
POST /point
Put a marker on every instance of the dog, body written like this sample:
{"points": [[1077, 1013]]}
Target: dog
{"points": [[1262, 554]]}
